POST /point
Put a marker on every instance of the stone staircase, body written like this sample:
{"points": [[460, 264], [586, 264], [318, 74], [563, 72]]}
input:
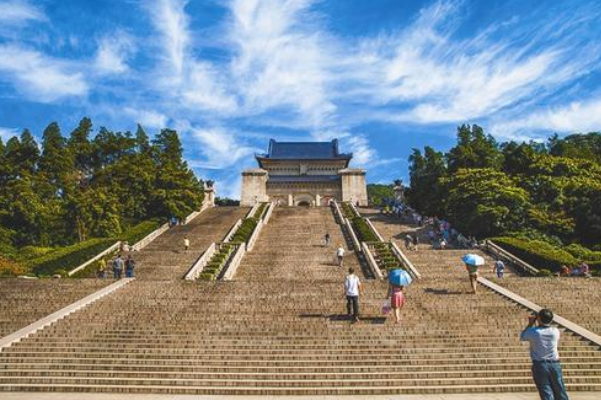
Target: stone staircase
{"points": [[24, 301], [279, 328], [166, 259]]}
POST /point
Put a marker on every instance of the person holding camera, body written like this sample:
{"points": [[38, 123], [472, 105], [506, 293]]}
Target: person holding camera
{"points": [[546, 368]]}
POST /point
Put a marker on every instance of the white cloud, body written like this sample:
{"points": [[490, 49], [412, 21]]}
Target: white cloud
{"points": [[280, 59], [205, 90], [148, 118], [574, 117], [220, 149], [40, 77], [16, 12], [112, 53]]}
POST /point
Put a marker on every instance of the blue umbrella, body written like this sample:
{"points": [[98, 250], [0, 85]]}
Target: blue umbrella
{"points": [[473, 259], [399, 277]]}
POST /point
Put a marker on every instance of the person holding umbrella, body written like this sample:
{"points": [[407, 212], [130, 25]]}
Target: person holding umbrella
{"points": [[472, 262], [398, 280]]}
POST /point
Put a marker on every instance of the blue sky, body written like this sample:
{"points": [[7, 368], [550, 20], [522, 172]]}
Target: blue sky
{"points": [[382, 75]]}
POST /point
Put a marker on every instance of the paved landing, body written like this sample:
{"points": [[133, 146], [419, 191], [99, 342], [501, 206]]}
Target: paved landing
{"points": [[101, 396]]}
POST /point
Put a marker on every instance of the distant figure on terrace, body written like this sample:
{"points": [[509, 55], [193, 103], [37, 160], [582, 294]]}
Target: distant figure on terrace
{"points": [[432, 236], [576, 271], [546, 368], [415, 241], [586, 271], [352, 289], [129, 267], [443, 244], [118, 267], [397, 301], [327, 239], [101, 271], [186, 243], [340, 255], [408, 242], [499, 269], [565, 271]]}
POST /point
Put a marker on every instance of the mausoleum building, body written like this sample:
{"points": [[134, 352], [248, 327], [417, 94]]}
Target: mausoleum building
{"points": [[303, 174]]}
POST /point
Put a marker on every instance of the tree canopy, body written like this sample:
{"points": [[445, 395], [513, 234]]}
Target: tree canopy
{"points": [[70, 189]]}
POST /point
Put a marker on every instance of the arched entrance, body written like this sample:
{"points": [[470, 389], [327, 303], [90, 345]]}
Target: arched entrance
{"points": [[304, 200]]}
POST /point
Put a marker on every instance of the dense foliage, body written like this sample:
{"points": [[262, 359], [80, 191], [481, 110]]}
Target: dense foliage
{"points": [[226, 201], [549, 192], [214, 267], [379, 194], [83, 186], [245, 230]]}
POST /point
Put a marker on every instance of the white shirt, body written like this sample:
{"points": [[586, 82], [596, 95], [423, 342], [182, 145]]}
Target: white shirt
{"points": [[340, 252], [352, 285], [543, 342], [186, 242]]}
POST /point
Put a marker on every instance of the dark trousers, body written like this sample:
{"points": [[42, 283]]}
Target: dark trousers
{"points": [[352, 304], [549, 380]]}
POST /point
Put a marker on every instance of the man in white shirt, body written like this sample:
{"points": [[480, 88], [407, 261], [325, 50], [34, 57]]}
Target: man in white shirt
{"points": [[340, 255], [352, 289], [186, 244], [546, 368]]}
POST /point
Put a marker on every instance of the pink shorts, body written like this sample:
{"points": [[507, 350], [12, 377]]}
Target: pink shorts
{"points": [[397, 300]]}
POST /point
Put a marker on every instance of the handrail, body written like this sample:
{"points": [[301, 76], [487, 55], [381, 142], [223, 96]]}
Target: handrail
{"points": [[232, 267], [338, 213], [371, 261], [397, 251], [269, 212], [569, 325], [40, 324], [351, 232], [150, 237], [196, 268], [255, 235], [354, 209], [252, 211], [98, 256], [232, 231], [513, 259]]}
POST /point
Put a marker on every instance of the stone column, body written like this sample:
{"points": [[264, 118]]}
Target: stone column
{"points": [[353, 185], [254, 187], [317, 200], [290, 200]]}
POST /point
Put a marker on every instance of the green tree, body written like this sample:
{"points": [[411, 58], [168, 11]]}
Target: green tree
{"points": [[378, 193], [485, 202], [474, 150], [425, 171]]}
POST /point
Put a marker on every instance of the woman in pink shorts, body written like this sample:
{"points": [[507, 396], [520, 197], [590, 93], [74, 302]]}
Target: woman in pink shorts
{"points": [[397, 300]]}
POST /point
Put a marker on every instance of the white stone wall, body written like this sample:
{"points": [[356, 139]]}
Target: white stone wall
{"points": [[254, 187], [353, 186]]}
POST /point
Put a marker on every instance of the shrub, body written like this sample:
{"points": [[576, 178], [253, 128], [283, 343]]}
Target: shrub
{"points": [[261, 210], [348, 211], [213, 268], [31, 252], [245, 230], [138, 232], [544, 273], [584, 254], [539, 254], [11, 268], [364, 232], [69, 257]]}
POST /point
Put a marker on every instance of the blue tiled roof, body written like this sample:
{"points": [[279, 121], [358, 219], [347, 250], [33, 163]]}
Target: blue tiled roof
{"points": [[304, 151], [303, 178]]}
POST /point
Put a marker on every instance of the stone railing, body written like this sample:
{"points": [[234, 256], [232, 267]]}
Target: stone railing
{"points": [[405, 261], [353, 235], [268, 212], [150, 237], [232, 231], [196, 269], [515, 298], [255, 235], [253, 210], [338, 213], [498, 252], [97, 257], [371, 261], [232, 266]]}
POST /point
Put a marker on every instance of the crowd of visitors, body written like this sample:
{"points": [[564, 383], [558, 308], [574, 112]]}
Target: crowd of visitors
{"points": [[582, 270], [117, 265]]}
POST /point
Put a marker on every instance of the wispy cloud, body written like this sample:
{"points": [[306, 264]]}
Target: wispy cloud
{"points": [[113, 52], [220, 149], [18, 12], [40, 77], [7, 133]]}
